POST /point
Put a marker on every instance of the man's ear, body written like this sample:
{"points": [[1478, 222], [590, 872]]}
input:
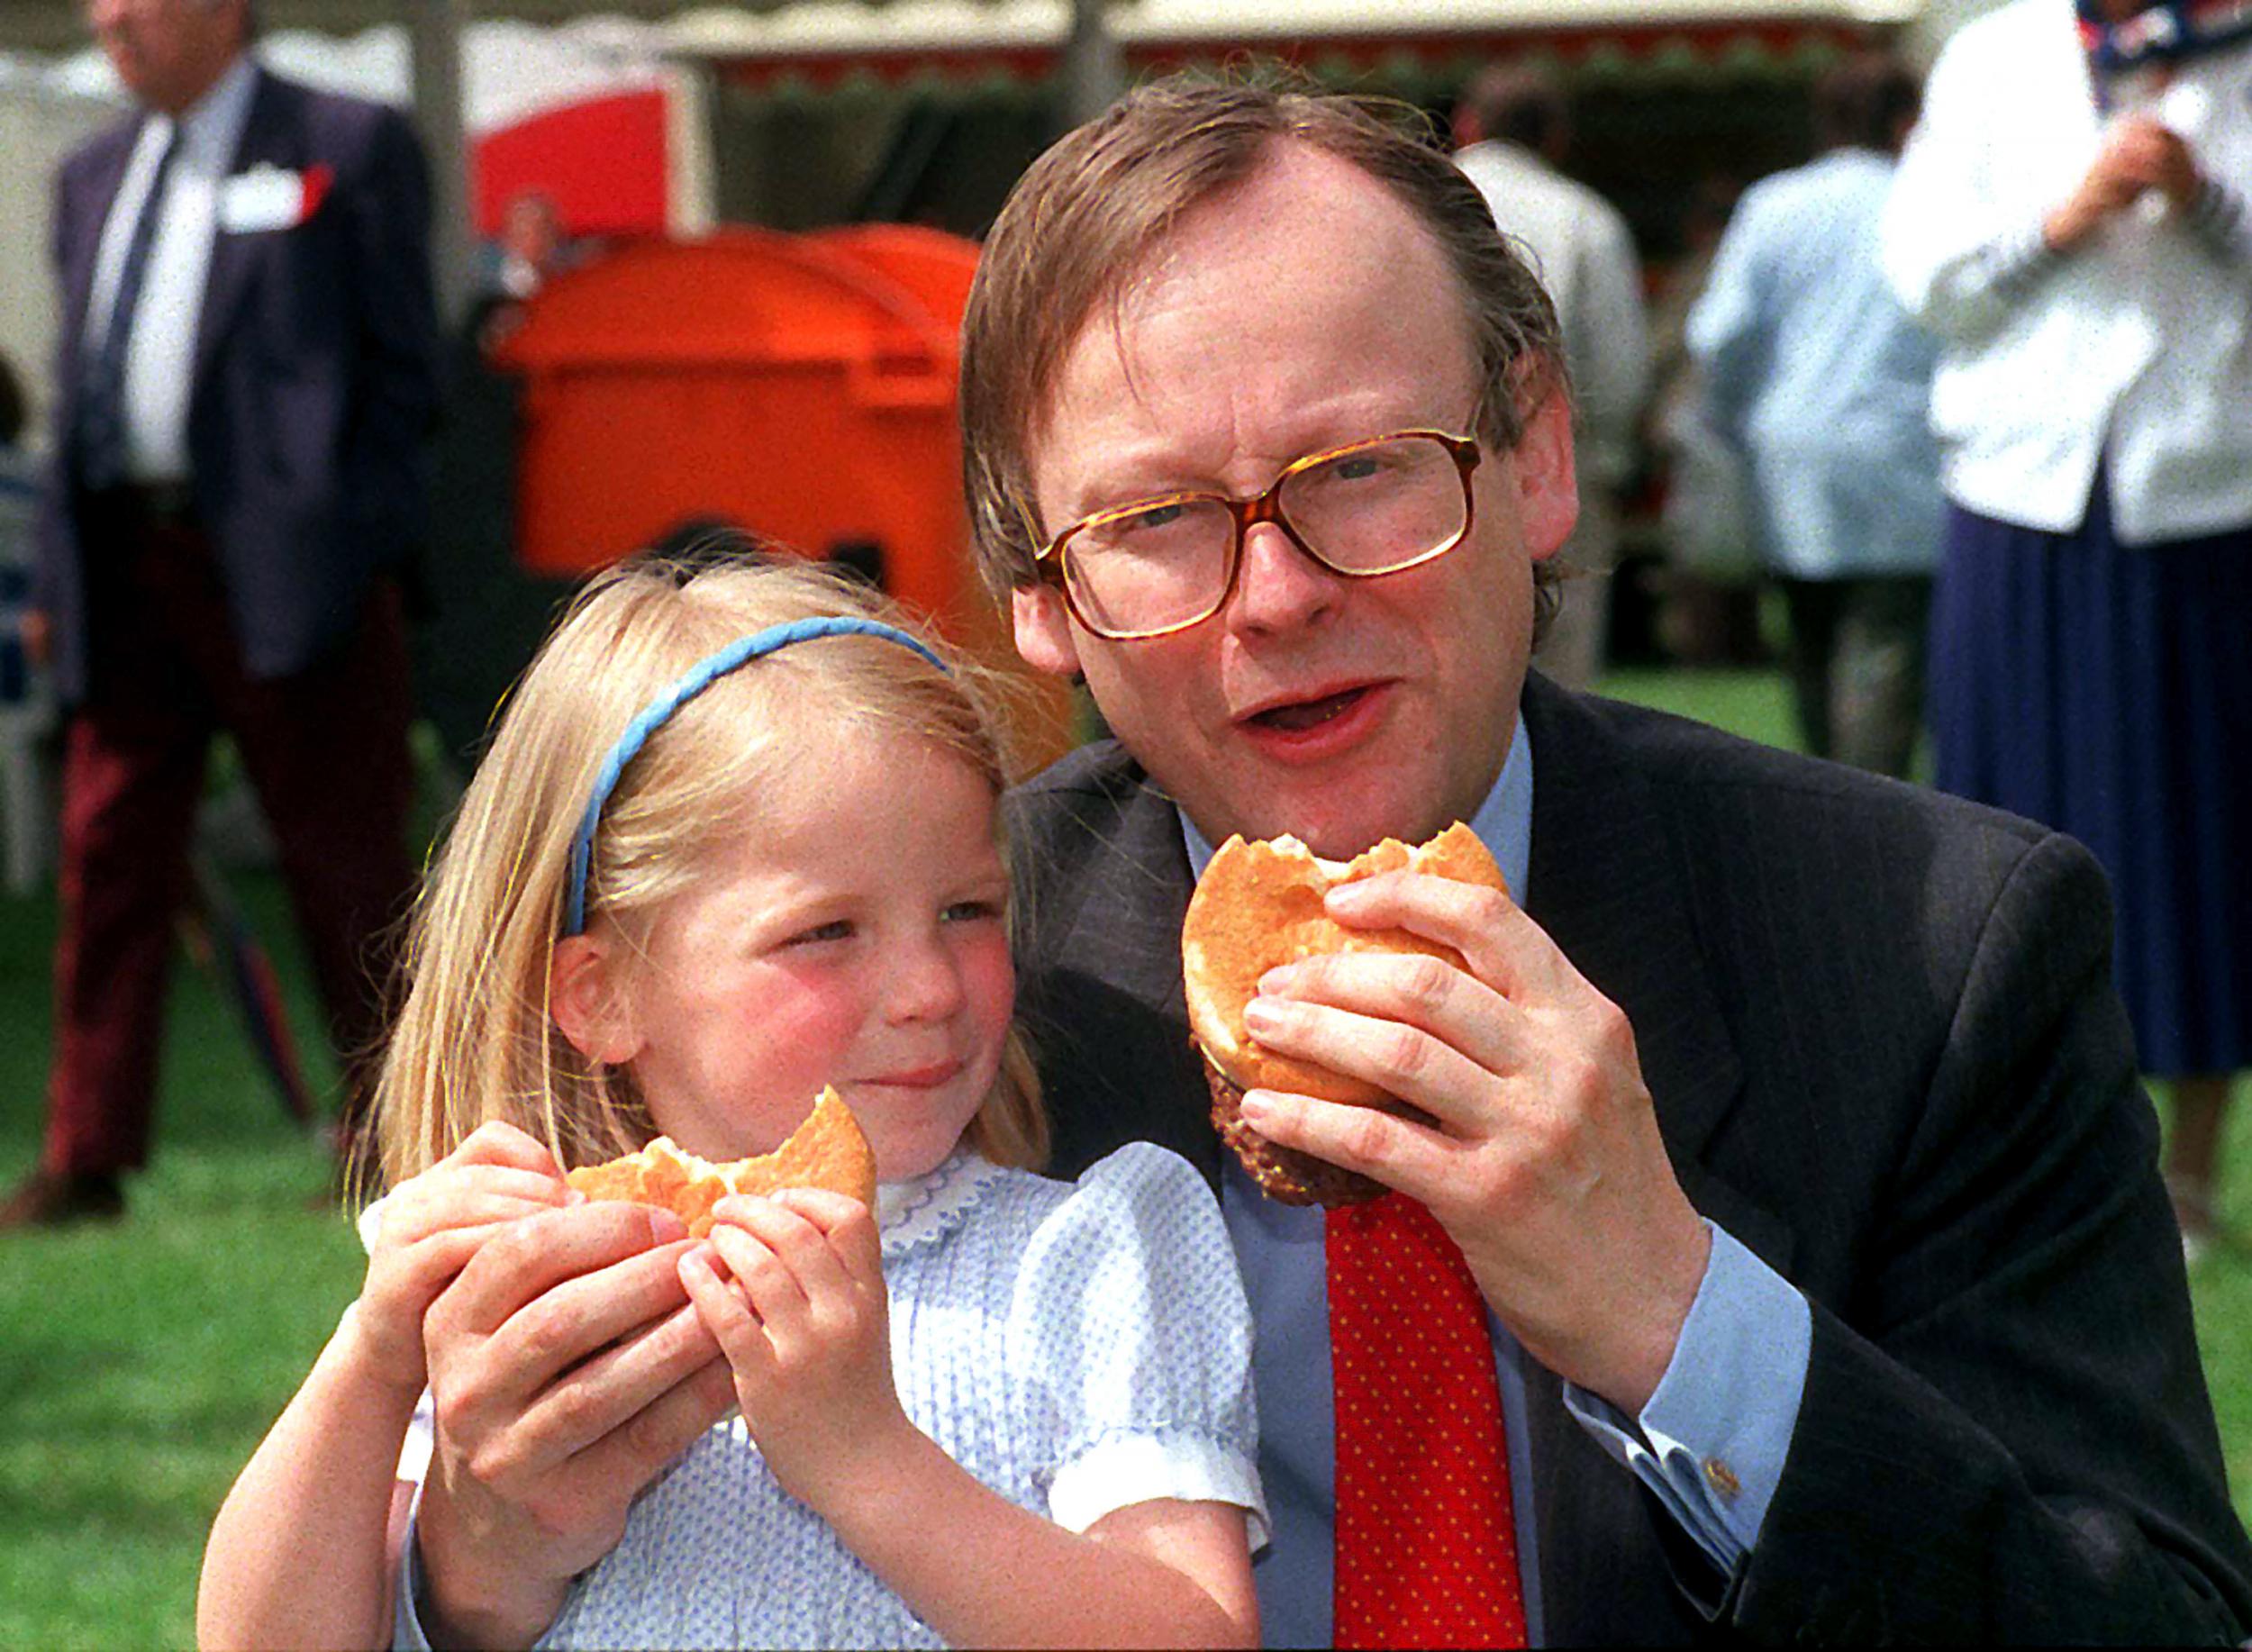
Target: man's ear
{"points": [[586, 996], [1547, 482], [1043, 629]]}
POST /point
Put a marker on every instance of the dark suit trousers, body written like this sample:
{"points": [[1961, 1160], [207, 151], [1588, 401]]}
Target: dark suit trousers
{"points": [[325, 750]]}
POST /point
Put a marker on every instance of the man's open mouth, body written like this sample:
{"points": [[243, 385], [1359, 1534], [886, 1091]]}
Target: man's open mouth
{"points": [[1308, 714]]}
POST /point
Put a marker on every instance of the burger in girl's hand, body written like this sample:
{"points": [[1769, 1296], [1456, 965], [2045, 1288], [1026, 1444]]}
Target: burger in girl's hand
{"points": [[828, 1150]]}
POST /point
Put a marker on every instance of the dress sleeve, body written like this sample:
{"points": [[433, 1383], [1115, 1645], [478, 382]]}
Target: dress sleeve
{"points": [[1131, 1337], [1961, 246]]}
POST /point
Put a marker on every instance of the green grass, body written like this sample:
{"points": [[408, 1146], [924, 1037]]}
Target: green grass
{"points": [[141, 1363]]}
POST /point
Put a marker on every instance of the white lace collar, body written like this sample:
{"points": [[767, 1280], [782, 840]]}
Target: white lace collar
{"points": [[927, 1208]]}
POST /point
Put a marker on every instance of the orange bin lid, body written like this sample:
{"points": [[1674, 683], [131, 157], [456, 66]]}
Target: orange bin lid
{"points": [[799, 386]]}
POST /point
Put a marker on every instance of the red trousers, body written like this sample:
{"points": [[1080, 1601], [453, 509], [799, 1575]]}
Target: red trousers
{"points": [[325, 750]]}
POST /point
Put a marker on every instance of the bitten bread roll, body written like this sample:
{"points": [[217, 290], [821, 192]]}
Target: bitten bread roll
{"points": [[828, 1150], [1259, 906]]}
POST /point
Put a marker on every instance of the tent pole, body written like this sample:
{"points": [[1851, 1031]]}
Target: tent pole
{"points": [[436, 28]]}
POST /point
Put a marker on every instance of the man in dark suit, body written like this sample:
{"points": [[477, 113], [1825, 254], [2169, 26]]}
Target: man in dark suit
{"points": [[247, 375], [1785, 1121]]}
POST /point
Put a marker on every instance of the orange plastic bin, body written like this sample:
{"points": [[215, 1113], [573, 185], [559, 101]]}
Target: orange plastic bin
{"points": [[802, 387]]}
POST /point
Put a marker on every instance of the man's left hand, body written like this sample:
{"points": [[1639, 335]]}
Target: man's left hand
{"points": [[1545, 1164]]}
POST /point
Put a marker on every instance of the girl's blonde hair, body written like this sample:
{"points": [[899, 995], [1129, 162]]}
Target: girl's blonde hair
{"points": [[475, 1041]]}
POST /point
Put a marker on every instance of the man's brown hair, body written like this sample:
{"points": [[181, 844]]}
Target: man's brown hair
{"points": [[1089, 212]]}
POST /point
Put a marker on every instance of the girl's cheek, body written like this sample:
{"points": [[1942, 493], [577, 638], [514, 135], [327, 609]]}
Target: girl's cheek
{"points": [[814, 1015], [990, 979]]}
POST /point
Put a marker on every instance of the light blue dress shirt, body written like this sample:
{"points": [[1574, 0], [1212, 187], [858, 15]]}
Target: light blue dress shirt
{"points": [[1729, 1399], [1814, 371]]}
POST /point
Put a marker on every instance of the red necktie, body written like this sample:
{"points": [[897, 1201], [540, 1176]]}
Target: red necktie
{"points": [[1426, 1541]]}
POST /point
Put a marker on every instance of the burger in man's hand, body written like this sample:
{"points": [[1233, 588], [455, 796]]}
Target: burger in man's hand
{"points": [[1259, 906]]}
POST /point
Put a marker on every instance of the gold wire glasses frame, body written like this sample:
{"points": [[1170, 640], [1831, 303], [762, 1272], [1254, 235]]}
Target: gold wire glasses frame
{"points": [[1055, 562]]}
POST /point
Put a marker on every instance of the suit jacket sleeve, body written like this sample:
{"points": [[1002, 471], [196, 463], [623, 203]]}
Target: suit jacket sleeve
{"points": [[388, 212], [2005, 1434]]}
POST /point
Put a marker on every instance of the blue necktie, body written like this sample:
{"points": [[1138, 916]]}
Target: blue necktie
{"points": [[101, 391]]}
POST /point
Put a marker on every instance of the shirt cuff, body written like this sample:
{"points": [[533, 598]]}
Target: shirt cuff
{"points": [[1131, 1468], [1710, 1443], [2011, 262], [406, 1627], [2219, 218]]}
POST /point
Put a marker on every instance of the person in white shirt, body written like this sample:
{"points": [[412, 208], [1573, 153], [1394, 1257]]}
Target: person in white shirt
{"points": [[1514, 131], [2071, 219]]}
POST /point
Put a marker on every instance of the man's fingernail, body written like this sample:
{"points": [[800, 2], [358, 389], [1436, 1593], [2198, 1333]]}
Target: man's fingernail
{"points": [[1345, 900], [1279, 979], [1256, 1104], [1260, 1013], [664, 1227]]}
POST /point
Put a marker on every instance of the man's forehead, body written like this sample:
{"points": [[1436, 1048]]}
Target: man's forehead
{"points": [[1300, 208], [1294, 194]]}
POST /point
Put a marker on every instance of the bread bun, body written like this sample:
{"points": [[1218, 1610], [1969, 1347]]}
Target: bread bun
{"points": [[1259, 906], [828, 1150]]}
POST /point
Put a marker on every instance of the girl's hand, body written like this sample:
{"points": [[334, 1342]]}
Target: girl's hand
{"points": [[430, 1226], [803, 1322]]}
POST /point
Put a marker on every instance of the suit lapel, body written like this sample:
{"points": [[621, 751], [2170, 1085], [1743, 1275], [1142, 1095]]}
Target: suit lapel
{"points": [[1129, 927], [1607, 884], [268, 137], [105, 168], [1137, 1076]]}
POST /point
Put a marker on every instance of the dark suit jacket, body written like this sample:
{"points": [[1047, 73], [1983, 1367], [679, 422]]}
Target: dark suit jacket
{"points": [[315, 380], [1880, 1031]]}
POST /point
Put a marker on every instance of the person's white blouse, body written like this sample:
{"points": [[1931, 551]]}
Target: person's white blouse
{"points": [[2137, 344], [1079, 1347]]}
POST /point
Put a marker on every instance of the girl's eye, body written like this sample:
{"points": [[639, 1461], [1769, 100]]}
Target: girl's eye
{"points": [[971, 912], [836, 929]]}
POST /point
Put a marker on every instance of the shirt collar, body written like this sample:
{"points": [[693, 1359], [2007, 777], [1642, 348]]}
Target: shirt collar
{"points": [[1500, 152], [1503, 822], [211, 128], [928, 1207]]}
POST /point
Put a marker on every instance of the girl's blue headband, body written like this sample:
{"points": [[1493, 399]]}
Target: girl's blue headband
{"points": [[705, 673]]}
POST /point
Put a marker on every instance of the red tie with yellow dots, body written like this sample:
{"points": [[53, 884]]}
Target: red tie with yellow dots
{"points": [[1426, 1539]]}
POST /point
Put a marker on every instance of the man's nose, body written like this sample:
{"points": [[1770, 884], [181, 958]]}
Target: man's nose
{"points": [[1280, 587]]}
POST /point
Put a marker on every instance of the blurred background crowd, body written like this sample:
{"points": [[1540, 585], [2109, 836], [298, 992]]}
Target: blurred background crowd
{"points": [[679, 271]]}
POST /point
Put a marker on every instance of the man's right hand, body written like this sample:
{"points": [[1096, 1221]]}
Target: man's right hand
{"points": [[2138, 154], [567, 1371]]}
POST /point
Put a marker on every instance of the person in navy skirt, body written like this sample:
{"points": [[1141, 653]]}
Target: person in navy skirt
{"points": [[2073, 220]]}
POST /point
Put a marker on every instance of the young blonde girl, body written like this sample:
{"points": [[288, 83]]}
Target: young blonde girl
{"points": [[737, 838]]}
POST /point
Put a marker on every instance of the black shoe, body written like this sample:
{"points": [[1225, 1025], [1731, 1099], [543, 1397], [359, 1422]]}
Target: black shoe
{"points": [[47, 1199]]}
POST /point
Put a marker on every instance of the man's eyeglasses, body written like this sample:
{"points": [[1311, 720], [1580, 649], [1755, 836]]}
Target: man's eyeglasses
{"points": [[1162, 565]]}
